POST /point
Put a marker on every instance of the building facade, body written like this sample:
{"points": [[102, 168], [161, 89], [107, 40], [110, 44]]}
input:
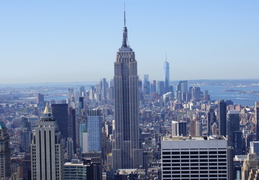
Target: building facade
{"points": [[126, 150], [194, 158], [75, 170], [222, 118], [257, 119], [47, 150], [167, 76], [5, 152], [94, 130]]}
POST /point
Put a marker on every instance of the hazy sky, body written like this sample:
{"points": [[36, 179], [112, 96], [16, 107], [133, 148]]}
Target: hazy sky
{"points": [[65, 41]]}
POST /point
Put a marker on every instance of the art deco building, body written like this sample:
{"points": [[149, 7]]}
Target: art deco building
{"points": [[126, 150], [5, 153], [46, 149]]}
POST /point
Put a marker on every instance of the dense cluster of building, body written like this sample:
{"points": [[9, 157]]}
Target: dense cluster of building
{"points": [[128, 129]]}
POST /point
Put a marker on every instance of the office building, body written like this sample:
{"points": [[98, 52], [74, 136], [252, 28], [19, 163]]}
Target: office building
{"points": [[104, 86], [153, 87], [146, 84], [60, 114], [83, 136], [257, 120], [75, 170], [210, 121], [179, 128], [46, 149], [81, 105], [167, 76], [160, 87], [94, 130], [194, 158], [222, 114], [195, 128], [196, 93], [126, 150], [25, 135], [254, 147], [182, 87], [5, 153], [70, 148], [39, 98], [235, 137], [250, 167]]}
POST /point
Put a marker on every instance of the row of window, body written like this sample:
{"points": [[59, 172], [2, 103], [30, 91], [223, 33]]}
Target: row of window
{"points": [[192, 168], [194, 152], [195, 164]]}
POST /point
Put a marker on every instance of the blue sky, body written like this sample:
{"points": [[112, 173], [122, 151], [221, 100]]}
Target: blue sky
{"points": [[67, 41]]}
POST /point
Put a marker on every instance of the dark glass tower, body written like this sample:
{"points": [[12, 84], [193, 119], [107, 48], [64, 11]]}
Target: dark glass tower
{"points": [[5, 153], [257, 120], [222, 118], [126, 150], [211, 120], [60, 114]]}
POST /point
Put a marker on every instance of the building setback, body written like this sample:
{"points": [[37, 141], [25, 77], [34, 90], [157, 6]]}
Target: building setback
{"points": [[126, 150]]}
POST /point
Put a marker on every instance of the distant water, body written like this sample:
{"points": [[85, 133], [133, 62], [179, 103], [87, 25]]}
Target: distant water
{"points": [[243, 92], [233, 93]]}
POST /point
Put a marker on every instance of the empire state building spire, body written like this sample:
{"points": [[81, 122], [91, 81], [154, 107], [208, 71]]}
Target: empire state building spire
{"points": [[125, 33]]}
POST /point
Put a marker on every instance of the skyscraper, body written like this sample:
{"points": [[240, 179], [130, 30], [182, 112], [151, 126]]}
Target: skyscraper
{"points": [[210, 121], [94, 130], [234, 133], [167, 76], [257, 119], [222, 118], [60, 113], [25, 135], [126, 150], [46, 149], [5, 153]]}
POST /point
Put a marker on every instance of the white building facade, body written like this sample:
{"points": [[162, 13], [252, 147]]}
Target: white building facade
{"points": [[46, 150], [194, 158]]}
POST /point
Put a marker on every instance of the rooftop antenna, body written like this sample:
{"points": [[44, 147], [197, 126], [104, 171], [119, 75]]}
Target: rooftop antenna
{"points": [[124, 15]]}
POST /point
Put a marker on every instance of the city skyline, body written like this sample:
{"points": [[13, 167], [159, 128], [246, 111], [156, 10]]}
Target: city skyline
{"points": [[67, 38]]}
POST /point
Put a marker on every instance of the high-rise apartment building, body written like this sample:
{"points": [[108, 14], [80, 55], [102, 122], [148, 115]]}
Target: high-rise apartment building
{"points": [[167, 76], [46, 149], [5, 153], [194, 158], [126, 150]]}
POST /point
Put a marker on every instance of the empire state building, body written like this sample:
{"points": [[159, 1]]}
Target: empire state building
{"points": [[126, 150]]}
